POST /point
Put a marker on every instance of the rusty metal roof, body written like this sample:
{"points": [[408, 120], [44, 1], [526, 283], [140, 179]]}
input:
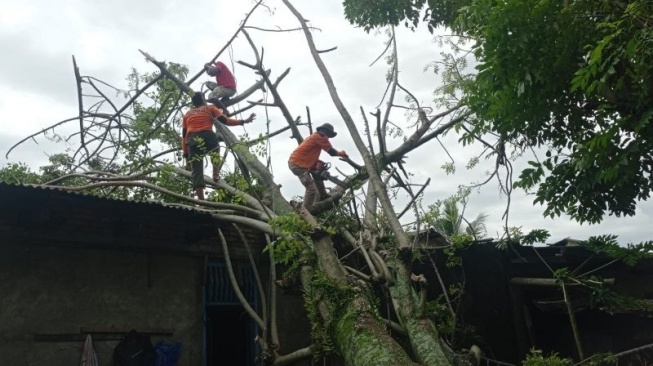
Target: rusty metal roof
{"points": [[9, 187], [33, 214]]}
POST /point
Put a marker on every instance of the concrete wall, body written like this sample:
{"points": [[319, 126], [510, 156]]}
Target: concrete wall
{"points": [[60, 290]]}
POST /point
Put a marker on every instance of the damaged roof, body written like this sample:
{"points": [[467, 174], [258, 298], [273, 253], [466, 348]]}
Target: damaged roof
{"points": [[38, 215]]}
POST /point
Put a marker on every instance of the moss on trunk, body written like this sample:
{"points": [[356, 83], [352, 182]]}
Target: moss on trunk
{"points": [[423, 335], [363, 340]]}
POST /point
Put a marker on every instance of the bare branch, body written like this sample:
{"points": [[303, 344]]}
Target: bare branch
{"points": [[279, 29], [234, 284], [274, 329], [259, 284], [80, 104], [414, 198], [52, 127], [251, 213], [395, 327], [359, 274], [393, 89], [328, 50], [242, 25], [294, 357], [275, 94]]}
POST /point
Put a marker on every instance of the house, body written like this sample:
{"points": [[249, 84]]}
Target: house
{"points": [[512, 302], [73, 264]]}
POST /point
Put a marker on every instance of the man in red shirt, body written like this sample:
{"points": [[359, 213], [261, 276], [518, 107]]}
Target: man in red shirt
{"points": [[224, 86], [198, 138], [305, 158]]}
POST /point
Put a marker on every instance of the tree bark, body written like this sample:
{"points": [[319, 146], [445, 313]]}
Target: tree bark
{"points": [[423, 335], [359, 335], [363, 341]]}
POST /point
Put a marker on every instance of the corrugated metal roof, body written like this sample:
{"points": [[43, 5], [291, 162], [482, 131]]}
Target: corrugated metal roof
{"points": [[40, 214], [87, 195]]}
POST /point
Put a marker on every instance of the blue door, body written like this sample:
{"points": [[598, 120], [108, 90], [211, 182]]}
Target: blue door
{"points": [[229, 332]]}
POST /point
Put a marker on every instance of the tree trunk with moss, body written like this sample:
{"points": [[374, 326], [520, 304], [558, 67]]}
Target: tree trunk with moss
{"points": [[340, 302], [360, 337]]}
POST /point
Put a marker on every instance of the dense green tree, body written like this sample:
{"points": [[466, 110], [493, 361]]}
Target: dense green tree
{"points": [[573, 78]]}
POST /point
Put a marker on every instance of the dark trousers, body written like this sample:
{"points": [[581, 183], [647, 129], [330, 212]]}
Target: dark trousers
{"points": [[200, 144]]}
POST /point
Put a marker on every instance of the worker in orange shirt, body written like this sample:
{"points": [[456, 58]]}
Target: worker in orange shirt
{"points": [[305, 158], [198, 138]]}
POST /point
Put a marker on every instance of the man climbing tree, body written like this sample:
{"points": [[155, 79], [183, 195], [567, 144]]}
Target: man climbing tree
{"points": [[306, 158], [368, 306], [224, 86], [198, 138]]}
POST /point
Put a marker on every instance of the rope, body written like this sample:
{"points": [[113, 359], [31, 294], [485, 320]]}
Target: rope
{"points": [[268, 146]]}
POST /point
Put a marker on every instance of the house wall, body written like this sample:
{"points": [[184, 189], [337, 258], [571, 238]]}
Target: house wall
{"points": [[60, 290]]}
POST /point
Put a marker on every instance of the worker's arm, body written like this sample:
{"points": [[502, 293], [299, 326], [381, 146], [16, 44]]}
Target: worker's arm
{"points": [[211, 70], [334, 152], [184, 131], [228, 120], [326, 146]]}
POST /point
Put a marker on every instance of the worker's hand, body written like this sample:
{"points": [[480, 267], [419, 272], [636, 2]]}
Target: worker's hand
{"points": [[250, 118], [211, 70], [342, 154]]}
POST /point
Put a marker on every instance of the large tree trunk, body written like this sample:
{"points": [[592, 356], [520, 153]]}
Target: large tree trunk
{"points": [[359, 335], [363, 341], [423, 335]]}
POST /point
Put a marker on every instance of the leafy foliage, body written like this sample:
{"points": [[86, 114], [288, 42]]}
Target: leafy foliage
{"points": [[536, 358], [370, 14], [601, 295], [534, 236], [159, 120], [608, 245], [448, 219], [573, 78], [439, 312], [337, 298], [292, 239], [18, 173]]}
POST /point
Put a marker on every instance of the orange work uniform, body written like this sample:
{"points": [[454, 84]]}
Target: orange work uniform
{"points": [[308, 152], [201, 119]]}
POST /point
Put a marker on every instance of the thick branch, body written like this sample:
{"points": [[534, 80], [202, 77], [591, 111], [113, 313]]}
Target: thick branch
{"points": [[234, 284], [275, 94], [242, 25], [381, 193], [294, 357], [259, 284], [250, 213]]}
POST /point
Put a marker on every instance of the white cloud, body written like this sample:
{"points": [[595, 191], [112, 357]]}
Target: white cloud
{"points": [[38, 37]]}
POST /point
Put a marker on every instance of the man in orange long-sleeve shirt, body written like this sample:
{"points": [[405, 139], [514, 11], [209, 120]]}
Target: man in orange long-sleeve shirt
{"points": [[198, 138], [305, 158]]}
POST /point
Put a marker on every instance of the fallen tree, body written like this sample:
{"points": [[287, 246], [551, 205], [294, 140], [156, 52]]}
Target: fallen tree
{"points": [[115, 157]]}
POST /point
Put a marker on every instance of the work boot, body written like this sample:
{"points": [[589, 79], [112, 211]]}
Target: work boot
{"points": [[216, 174]]}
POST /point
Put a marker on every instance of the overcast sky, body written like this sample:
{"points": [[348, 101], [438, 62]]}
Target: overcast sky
{"points": [[37, 87]]}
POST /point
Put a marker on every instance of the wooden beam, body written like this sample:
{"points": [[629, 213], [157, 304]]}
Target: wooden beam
{"points": [[106, 334], [527, 281]]}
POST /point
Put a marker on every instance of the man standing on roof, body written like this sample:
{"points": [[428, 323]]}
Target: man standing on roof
{"points": [[224, 86], [305, 158], [198, 138]]}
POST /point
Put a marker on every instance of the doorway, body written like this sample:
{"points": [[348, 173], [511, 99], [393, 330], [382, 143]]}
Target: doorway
{"points": [[227, 335], [229, 331]]}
